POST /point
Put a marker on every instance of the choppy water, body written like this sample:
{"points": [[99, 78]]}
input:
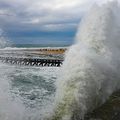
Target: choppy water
{"points": [[26, 93]]}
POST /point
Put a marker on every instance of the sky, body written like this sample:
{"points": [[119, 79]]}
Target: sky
{"points": [[42, 21]]}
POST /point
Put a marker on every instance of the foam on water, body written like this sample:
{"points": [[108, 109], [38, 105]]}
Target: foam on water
{"points": [[25, 92], [9, 109], [91, 71]]}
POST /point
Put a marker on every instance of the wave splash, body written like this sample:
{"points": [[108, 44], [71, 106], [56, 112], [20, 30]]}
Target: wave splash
{"points": [[90, 73], [3, 41]]}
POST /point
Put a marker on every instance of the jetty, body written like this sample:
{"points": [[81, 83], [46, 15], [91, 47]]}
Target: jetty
{"points": [[39, 57], [32, 62]]}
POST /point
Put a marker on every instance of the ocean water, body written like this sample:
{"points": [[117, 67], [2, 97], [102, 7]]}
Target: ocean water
{"points": [[26, 93]]}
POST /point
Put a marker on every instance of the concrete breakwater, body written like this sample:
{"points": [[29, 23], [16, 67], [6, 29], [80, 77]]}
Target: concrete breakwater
{"points": [[32, 61]]}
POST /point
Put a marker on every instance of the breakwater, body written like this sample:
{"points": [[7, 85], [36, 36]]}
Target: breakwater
{"points": [[32, 61]]}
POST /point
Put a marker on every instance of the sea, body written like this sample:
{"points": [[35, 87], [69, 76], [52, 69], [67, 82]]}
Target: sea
{"points": [[26, 92]]}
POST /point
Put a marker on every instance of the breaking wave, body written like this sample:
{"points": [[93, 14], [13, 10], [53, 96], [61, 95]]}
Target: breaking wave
{"points": [[9, 109], [91, 71]]}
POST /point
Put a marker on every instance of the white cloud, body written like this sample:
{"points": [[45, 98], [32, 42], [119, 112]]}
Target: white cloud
{"points": [[42, 12], [42, 8]]}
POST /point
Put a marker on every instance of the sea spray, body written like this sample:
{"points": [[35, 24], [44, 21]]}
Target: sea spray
{"points": [[3, 41], [10, 108], [90, 73]]}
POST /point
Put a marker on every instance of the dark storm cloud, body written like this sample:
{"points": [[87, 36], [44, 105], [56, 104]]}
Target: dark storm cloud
{"points": [[41, 18]]}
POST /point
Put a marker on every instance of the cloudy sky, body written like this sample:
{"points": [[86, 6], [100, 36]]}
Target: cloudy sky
{"points": [[42, 21]]}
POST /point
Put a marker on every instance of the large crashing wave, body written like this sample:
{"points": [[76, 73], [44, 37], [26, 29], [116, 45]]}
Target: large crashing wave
{"points": [[91, 71]]}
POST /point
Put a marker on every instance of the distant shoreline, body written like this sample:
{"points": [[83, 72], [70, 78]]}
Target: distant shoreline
{"points": [[50, 51], [37, 51], [39, 45]]}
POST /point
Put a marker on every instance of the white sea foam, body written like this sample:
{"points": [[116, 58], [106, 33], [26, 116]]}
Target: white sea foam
{"points": [[25, 92], [10, 108], [91, 71]]}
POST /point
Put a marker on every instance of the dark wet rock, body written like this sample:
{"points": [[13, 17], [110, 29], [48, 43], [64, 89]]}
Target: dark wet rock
{"points": [[108, 111]]}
